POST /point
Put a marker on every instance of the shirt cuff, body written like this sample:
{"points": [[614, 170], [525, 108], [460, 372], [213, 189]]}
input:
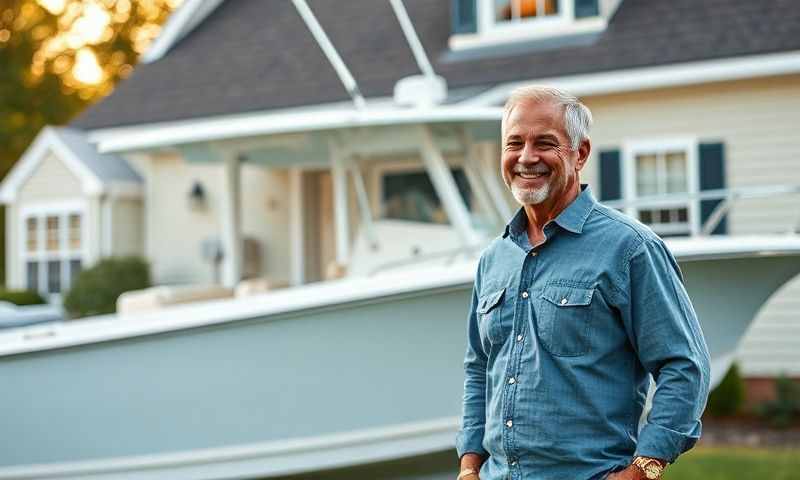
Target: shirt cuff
{"points": [[470, 440], [660, 442]]}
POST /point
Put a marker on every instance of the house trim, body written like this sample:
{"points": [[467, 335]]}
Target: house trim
{"points": [[340, 115], [48, 142], [662, 76]]}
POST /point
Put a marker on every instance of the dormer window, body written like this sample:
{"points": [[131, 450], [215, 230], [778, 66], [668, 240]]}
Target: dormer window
{"points": [[478, 23]]}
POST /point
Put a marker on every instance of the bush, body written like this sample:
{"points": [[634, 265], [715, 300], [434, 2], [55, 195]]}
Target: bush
{"points": [[728, 397], [96, 289], [785, 409], [21, 297]]}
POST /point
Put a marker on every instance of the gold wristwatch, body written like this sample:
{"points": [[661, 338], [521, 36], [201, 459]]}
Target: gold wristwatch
{"points": [[651, 467]]}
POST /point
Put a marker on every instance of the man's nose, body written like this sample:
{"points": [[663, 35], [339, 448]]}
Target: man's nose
{"points": [[528, 154]]}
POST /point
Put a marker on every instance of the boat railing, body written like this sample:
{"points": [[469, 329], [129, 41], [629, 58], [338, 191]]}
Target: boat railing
{"points": [[728, 198]]}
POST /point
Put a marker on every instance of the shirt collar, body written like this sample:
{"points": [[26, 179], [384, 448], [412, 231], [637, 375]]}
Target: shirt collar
{"points": [[571, 218]]}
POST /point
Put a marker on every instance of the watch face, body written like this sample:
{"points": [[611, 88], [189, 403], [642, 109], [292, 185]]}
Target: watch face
{"points": [[652, 471]]}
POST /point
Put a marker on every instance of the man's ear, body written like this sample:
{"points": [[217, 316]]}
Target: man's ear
{"points": [[584, 149]]}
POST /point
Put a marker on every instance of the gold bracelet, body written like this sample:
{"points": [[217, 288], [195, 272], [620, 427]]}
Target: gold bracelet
{"points": [[466, 472]]}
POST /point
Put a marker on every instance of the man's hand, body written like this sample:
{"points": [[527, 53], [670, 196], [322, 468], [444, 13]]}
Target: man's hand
{"points": [[630, 473], [473, 461]]}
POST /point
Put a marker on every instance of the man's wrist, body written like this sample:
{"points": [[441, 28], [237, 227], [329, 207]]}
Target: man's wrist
{"points": [[467, 474], [649, 468]]}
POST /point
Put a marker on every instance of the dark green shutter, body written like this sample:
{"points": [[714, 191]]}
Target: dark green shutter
{"points": [[586, 8], [712, 177], [610, 175], [464, 16]]}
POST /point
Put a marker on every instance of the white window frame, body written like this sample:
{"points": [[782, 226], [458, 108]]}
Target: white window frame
{"points": [[491, 32], [62, 210], [634, 147]]}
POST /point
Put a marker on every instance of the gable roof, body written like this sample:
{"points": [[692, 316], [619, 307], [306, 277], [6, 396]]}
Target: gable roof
{"points": [[98, 173], [251, 55]]}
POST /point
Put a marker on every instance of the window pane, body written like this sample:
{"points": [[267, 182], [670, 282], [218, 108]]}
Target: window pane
{"points": [[54, 276], [74, 232], [411, 196], [646, 175], [31, 237], [683, 215], [677, 181], [663, 216], [646, 216], [508, 10], [52, 234], [32, 272]]}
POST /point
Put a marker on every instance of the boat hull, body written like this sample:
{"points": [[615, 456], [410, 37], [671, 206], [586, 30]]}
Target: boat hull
{"points": [[375, 378]]}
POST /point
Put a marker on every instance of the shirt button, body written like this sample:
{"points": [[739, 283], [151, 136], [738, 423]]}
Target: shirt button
{"points": [[524, 294], [513, 463], [512, 381], [563, 301], [534, 253], [519, 338], [509, 424]]}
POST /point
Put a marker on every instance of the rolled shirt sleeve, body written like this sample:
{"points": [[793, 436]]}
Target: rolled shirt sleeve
{"points": [[666, 335], [470, 436]]}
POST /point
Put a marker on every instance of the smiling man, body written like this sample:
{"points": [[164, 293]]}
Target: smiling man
{"points": [[573, 308]]}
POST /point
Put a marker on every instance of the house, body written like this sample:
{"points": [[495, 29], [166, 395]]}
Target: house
{"points": [[201, 160]]}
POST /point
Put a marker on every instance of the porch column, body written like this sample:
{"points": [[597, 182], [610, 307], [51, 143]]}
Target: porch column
{"points": [[231, 220], [340, 205], [296, 231], [446, 188]]}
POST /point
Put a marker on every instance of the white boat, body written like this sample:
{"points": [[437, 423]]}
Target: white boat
{"points": [[355, 373]]}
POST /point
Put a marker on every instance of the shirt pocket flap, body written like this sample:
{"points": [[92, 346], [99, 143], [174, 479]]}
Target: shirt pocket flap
{"points": [[490, 300], [567, 295]]}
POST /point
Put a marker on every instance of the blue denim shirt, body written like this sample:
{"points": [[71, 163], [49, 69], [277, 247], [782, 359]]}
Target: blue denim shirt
{"points": [[561, 341]]}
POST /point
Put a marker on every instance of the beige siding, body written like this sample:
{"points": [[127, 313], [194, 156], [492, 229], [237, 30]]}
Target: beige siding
{"points": [[175, 233], [127, 227], [265, 218], [757, 120], [51, 180]]}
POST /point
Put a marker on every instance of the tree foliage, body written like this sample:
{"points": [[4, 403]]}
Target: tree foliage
{"points": [[58, 56]]}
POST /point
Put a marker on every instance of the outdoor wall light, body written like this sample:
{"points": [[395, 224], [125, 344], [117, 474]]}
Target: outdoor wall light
{"points": [[197, 197]]}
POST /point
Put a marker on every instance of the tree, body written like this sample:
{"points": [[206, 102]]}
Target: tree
{"points": [[58, 56]]}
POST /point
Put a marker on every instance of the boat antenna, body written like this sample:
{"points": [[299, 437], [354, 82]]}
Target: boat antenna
{"points": [[330, 51], [413, 40]]}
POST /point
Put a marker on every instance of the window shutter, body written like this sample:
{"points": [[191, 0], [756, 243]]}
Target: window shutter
{"points": [[610, 175], [464, 16], [586, 8], [712, 177]]}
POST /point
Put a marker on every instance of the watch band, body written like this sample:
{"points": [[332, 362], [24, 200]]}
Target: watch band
{"points": [[464, 473]]}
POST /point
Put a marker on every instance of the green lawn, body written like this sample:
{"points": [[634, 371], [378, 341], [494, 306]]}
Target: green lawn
{"points": [[736, 463]]}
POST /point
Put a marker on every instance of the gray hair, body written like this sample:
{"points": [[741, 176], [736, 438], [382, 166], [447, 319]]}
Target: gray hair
{"points": [[577, 116]]}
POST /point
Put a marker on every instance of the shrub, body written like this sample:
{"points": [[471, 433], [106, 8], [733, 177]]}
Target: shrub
{"points": [[785, 409], [96, 289], [728, 397], [21, 297]]}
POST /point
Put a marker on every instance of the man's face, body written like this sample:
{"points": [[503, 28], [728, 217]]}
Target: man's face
{"points": [[538, 162]]}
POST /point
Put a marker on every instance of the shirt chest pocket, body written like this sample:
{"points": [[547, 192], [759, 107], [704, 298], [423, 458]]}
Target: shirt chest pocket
{"points": [[563, 319], [490, 315]]}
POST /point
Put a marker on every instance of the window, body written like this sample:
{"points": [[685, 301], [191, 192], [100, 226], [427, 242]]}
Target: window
{"points": [[53, 253], [410, 195], [656, 170], [487, 22]]}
